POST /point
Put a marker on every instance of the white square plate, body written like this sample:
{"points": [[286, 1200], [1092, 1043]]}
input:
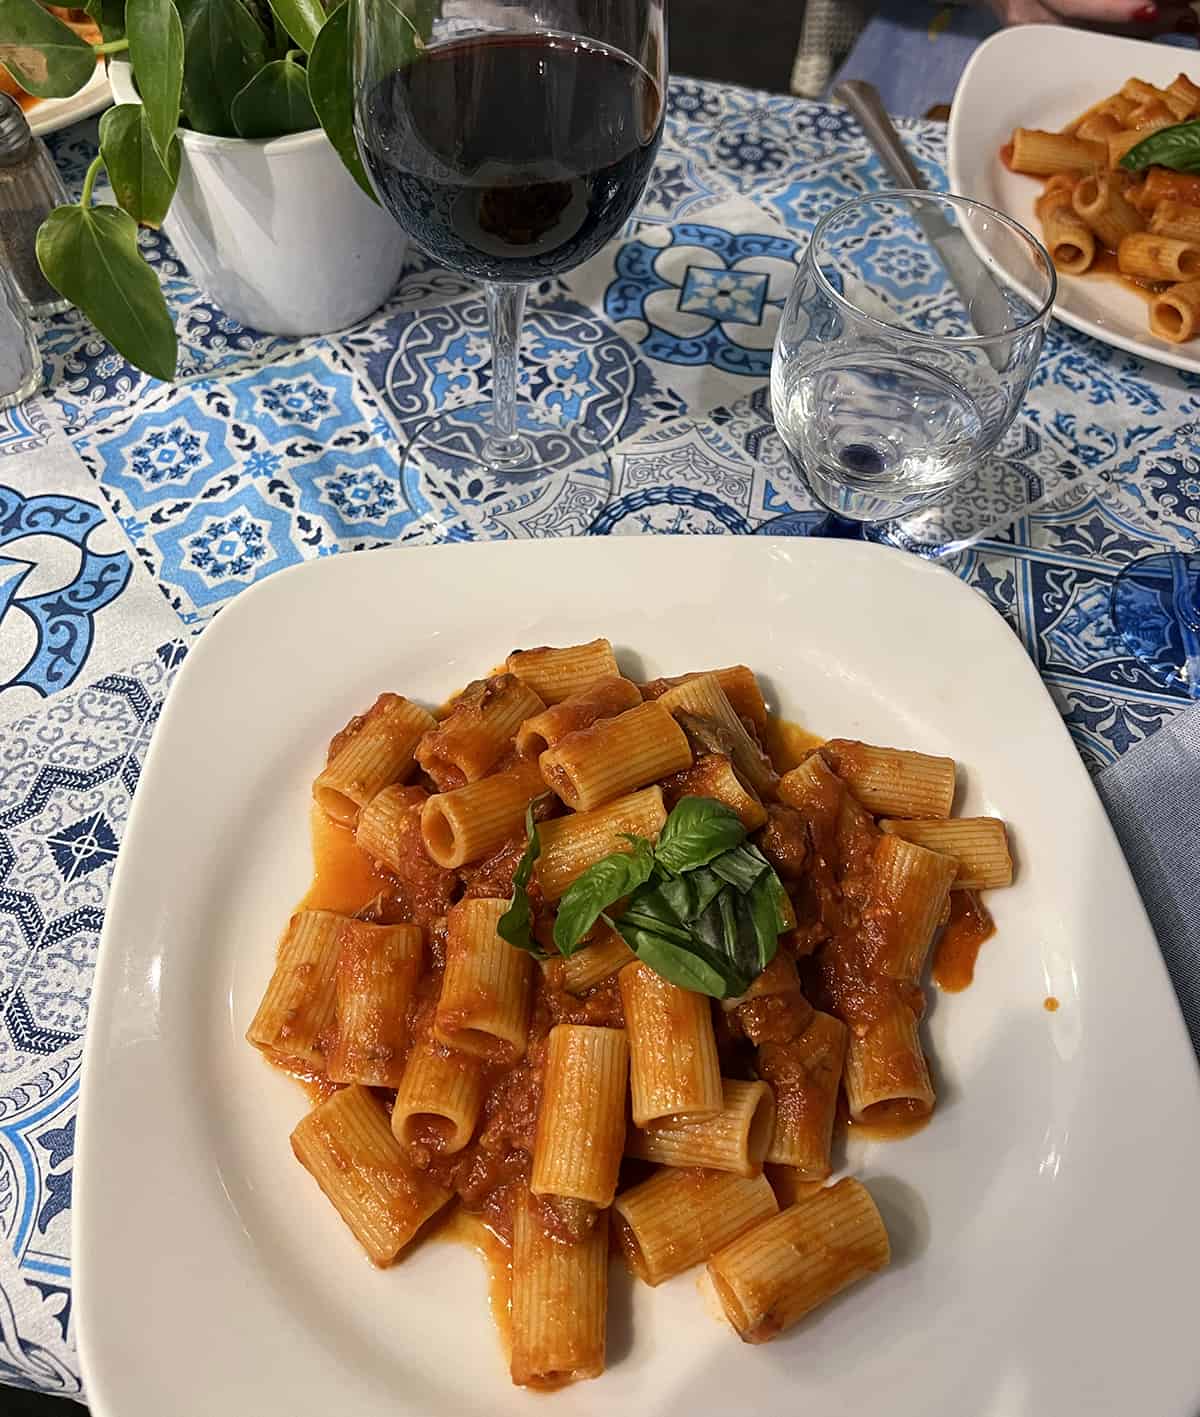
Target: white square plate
{"points": [[1045, 1226], [1043, 76]]}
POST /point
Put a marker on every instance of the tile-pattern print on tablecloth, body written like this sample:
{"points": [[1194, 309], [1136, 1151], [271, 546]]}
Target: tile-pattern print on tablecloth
{"points": [[164, 501]]}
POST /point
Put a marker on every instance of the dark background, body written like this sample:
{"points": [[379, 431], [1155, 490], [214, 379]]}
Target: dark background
{"points": [[750, 42]]}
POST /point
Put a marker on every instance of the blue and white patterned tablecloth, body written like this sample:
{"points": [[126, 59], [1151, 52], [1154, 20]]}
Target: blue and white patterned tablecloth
{"points": [[130, 511]]}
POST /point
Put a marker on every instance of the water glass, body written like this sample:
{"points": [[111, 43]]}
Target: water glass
{"points": [[906, 347]]}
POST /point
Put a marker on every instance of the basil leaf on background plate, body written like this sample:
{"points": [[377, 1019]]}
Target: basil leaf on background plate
{"points": [[698, 829], [600, 886], [1177, 147]]}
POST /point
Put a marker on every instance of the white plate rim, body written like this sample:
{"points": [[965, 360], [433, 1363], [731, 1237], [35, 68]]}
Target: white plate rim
{"points": [[89, 1298], [50, 115], [1022, 38]]}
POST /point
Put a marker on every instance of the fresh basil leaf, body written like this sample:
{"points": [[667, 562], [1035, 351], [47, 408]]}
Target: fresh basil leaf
{"points": [[516, 924], [156, 53], [689, 895], [698, 829], [275, 101], [46, 58], [301, 18], [762, 912], [1177, 147], [331, 89], [142, 185], [678, 966], [741, 867], [224, 47], [90, 255], [602, 884], [784, 915], [653, 914]]}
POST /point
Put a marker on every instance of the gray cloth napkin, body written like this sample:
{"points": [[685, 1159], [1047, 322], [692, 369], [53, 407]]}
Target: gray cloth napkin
{"points": [[1153, 799]]}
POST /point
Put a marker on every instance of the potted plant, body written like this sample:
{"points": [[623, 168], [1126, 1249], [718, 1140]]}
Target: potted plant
{"points": [[233, 130]]}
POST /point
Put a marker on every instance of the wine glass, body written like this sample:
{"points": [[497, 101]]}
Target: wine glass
{"points": [[510, 139], [905, 350]]}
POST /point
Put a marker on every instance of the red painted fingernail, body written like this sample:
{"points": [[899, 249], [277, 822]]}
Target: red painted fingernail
{"points": [[1144, 15]]}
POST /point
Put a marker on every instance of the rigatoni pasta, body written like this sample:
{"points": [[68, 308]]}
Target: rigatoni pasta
{"points": [[590, 929]]}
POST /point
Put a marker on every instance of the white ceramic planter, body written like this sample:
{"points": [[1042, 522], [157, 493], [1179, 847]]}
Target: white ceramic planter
{"points": [[276, 231]]}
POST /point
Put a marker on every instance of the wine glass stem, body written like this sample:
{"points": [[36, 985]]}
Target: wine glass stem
{"points": [[504, 447]]}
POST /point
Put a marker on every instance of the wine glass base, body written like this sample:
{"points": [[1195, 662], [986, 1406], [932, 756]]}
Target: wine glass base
{"points": [[554, 481]]}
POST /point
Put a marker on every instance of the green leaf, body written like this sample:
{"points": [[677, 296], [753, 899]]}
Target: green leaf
{"points": [[142, 185], [516, 924], [156, 53], [689, 896], [1177, 147], [330, 87], [301, 18], [763, 914], [90, 255], [45, 57], [224, 47], [679, 966], [589, 895], [108, 14], [741, 867], [698, 829], [275, 101]]}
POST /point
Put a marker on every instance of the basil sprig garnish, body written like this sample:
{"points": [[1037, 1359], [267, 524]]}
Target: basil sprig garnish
{"points": [[704, 908], [516, 924], [1177, 147]]}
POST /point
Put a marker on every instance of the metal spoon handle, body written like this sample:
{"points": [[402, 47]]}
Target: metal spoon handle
{"points": [[862, 99]]}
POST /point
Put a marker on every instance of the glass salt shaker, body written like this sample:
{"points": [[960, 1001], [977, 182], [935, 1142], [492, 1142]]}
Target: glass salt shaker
{"points": [[30, 189], [20, 363]]}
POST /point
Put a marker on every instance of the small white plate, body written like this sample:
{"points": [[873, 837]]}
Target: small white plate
{"points": [[1045, 1227], [1043, 76], [48, 115]]}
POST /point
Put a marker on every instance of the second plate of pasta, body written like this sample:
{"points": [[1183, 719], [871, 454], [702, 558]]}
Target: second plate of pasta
{"points": [[1064, 73]]}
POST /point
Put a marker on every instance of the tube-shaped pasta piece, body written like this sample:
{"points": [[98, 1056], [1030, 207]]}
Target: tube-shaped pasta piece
{"points": [[1171, 218], [1150, 116], [604, 699], [978, 844], [559, 1301], [347, 1146], [893, 782], [886, 1076], [470, 822], [438, 1099], [296, 1016], [614, 756], [773, 1275], [1101, 203], [1069, 239], [908, 889], [714, 775], [581, 1120], [736, 1139], [377, 973], [673, 1068], [1120, 143], [704, 697], [1152, 257], [1139, 91], [1183, 96], [1041, 154], [557, 674], [595, 962], [773, 1008], [1098, 127], [484, 1004], [472, 738], [738, 681], [1162, 184], [1175, 314], [573, 843], [1114, 105], [680, 1216], [805, 1075], [369, 753]]}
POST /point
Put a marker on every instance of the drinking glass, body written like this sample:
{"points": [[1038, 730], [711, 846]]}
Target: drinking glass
{"points": [[906, 347], [510, 139]]}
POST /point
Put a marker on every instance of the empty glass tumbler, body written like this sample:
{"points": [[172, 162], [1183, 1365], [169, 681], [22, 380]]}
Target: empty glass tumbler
{"points": [[906, 347]]}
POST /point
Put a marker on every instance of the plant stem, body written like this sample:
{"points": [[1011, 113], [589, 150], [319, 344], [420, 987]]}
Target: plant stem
{"points": [[113, 46], [89, 181], [505, 307], [294, 55]]}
